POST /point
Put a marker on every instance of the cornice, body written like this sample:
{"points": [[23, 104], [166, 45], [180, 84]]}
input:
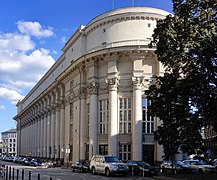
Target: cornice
{"points": [[128, 16]]}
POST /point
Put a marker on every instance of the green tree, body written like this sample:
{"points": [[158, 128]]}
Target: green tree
{"points": [[185, 98]]}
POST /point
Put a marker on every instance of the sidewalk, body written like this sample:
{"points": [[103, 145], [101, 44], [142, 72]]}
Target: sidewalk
{"points": [[160, 177]]}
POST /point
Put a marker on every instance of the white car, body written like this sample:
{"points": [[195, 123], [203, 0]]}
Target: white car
{"points": [[199, 166], [108, 164]]}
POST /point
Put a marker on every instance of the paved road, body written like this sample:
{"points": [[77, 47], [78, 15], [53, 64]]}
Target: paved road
{"points": [[62, 174]]}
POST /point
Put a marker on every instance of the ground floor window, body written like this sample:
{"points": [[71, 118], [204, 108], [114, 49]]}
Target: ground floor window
{"points": [[87, 152], [148, 154], [103, 149], [125, 152]]}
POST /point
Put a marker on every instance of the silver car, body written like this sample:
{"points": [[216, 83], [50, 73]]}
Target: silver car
{"points": [[108, 164], [199, 166]]}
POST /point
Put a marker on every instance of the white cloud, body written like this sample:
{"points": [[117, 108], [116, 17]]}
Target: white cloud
{"points": [[21, 65], [2, 107], [9, 94], [26, 69], [34, 29], [63, 40], [13, 42]]}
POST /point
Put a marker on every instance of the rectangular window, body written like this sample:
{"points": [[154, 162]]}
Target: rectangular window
{"points": [[147, 120], [103, 116], [103, 149], [125, 152], [125, 115], [71, 85]]}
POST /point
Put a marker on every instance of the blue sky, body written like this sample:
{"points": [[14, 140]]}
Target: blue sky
{"points": [[32, 34]]}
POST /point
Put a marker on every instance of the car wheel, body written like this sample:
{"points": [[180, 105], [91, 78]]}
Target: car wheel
{"points": [[93, 170], [161, 170], [124, 174], [200, 171], [107, 172]]}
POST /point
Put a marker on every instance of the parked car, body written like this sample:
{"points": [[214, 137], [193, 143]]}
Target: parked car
{"points": [[81, 166], [140, 168], [176, 167], [19, 160], [26, 161], [8, 158], [35, 162], [108, 165], [199, 166]]}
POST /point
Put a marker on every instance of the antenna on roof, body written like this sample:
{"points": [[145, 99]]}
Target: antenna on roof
{"points": [[132, 3]]}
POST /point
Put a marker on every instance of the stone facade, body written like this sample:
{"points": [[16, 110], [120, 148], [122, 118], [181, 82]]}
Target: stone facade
{"points": [[9, 143], [92, 101]]}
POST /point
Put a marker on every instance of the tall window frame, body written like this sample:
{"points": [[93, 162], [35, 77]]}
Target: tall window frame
{"points": [[125, 115], [103, 116], [147, 120], [125, 151]]}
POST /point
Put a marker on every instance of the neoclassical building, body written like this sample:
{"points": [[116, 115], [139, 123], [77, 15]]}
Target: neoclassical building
{"points": [[92, 100]]}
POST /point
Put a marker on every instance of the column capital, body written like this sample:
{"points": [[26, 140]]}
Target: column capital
{"points": [[93, 87], [137, 81], [83, 92], [112, 83]]}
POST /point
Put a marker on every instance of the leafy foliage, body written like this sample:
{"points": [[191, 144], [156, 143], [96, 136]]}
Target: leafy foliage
{"points": [[185, 98]]}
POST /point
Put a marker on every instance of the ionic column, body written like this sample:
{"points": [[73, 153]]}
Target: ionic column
{"points": [[112, 81], [113, 120], [52, 122], [39, 136], [42, 135], [31, 138], [45, 136], [36, 137], [57, 133], [83, 124], [66, 131], [35, 134], [137, 80], [45, 128], [62, 123], [93, 130], [49, 130]]}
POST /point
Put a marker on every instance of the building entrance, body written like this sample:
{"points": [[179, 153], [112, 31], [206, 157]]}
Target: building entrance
{"points": [[148, 154]]}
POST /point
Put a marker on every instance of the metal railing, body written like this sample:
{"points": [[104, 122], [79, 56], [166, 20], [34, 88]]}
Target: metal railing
{"points": [[9, 173]]}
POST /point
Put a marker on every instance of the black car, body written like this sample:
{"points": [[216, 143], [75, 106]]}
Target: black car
{"points": [[140, 168], [26, 161], [35, 162], [80, 166], [176, 167]]}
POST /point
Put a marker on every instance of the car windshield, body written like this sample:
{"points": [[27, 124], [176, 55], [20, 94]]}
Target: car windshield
{"points": [[111, 159], [180, 163], [142, 163], [201, 163]]}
